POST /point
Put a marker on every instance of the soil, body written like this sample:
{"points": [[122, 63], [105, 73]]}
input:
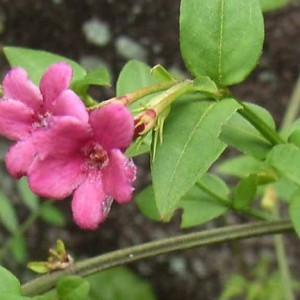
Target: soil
{"points": [[56, 26]]}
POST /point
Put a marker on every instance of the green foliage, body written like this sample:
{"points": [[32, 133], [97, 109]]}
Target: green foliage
{"points": [[98, 76], [119, 284], [189, 148], [30, 199], [206, 85], [267, 5], [136, 75], [18, 249], [200, 204], [262, 285], [240, 166], [239, 133], [286, 159], [8, 217], [52, 215], [14, 297], [161, 74], [73, 288], [146, 203], [9, 283], [245, 191], [221, 39], [35, 62], [294, 209]]}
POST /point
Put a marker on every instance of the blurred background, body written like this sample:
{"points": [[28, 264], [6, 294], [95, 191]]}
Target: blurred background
{"points": [[108, 33]]}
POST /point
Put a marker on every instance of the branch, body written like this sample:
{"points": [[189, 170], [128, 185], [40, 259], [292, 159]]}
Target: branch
{"points": [[131, 254]]}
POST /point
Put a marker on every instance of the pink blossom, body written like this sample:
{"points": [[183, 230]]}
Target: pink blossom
{"points": [[25, 109], [87, 160]]}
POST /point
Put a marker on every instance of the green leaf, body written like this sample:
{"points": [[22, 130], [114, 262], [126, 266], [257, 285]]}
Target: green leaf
{"points": [[35, 62], [198, 206], [73, 288], [8, 296], [294, 138], [8, 216], [294, 211], [42, 297], [135, 75], [240, 166], [98, 76], [119, 284], [135, 150], [189, 148], [221, 39], [267, 5], [245, 191], [206, 85], [38, 267], [284, 189], [9, 283], [234, 287], [17, 247], [52, 215], [161, 74], [239, 133], [286, 159], [146, 203], [30, 199]]}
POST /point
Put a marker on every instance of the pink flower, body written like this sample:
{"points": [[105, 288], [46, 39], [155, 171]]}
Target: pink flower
{"points": [[86, 159], [25, 109]]}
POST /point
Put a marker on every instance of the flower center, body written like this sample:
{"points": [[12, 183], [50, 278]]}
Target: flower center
{"points": [[42, 120], [96, 156]]}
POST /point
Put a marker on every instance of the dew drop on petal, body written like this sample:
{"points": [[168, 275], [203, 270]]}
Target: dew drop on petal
{"points": [[106, 205]]}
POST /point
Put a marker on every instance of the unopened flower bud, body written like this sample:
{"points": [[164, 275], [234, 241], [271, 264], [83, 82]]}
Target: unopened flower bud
{"points": [[144, 122]]}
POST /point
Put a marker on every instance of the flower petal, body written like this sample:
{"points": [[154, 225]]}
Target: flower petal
{"points": [[56, 79], [55, 178], [63, 137], [16, 119], [113, 126], [19, 158], [89, 204], [118, 176], [69, 104], [17, 86]]}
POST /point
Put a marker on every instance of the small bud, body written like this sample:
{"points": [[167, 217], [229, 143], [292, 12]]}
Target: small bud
{"points": [[144, 122]]}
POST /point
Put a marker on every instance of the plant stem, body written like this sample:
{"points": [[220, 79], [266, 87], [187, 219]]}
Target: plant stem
{"points": [[161, 101], [293, 106], [129, 98], [228, 203], [131, 254], [271, 135], [282, 262], [283, 267]]}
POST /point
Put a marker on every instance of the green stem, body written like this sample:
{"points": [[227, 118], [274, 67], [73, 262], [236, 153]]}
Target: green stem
{"points": [[163, 100], [283, 267], [271, 135], [283, 263], [293, 106], [228, 203], [131, 254], [129, 98]]}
